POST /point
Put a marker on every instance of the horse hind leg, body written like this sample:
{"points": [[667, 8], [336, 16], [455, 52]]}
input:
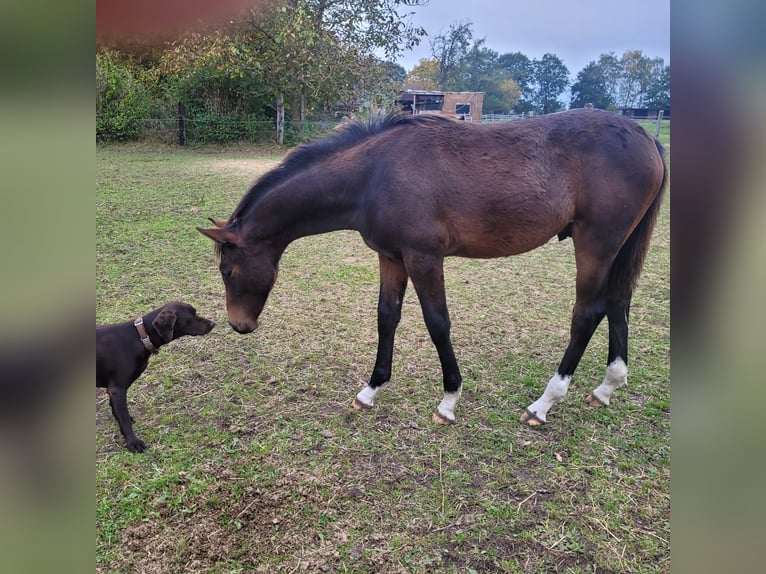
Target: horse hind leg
{"points": [[393, 284], [617, 311], [623, 274], [590, 308]]}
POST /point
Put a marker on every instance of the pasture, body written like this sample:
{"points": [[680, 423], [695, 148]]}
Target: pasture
{"points": [[256, 461]]}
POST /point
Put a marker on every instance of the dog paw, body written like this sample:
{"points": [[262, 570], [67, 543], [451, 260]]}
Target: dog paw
{"points": [[136, 445]]}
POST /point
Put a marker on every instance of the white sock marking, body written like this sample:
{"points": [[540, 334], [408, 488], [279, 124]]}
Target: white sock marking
{"points": [[616, 376], [367, 395], [447, 407], [554, 392]]}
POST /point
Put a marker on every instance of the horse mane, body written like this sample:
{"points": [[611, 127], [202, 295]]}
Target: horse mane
{"points": [[345, 136]]}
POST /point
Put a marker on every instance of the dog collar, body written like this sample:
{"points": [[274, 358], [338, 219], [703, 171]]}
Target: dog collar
{"points": [[144, 336]]}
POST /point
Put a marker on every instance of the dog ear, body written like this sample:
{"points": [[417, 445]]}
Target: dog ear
{"points": [[164, 323], [220, 235]]}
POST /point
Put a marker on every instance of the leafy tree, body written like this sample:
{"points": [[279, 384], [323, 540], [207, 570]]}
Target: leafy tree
{"points": [[295, 57], [591, 87], [423, 76], [519, 67], [369, 25], [449, 50], [395, 72], [633, 80], [638, 72], [658, 93], [610, 69], [482, 72], [551, 78], [325, 49], [521, 71]]}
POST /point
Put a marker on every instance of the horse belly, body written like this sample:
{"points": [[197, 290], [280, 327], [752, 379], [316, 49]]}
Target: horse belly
{"points": [[498, 242]]}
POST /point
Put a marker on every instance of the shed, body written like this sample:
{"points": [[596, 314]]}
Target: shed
{"points": [[462, 105]]}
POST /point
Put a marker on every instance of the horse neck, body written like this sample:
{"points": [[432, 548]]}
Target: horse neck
{"points": [[311, 202]]}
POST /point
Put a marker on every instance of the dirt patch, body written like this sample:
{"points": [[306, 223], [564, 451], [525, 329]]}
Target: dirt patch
{"points": [[252, 168]]}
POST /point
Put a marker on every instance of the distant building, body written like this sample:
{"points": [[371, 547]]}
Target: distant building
{"points": [[465, 106], [645, 113]]}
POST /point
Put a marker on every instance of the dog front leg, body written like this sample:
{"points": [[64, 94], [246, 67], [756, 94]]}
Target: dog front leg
{"points": [[118, 400]]}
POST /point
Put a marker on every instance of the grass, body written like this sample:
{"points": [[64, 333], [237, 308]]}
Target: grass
{"points": [[258, 464]]}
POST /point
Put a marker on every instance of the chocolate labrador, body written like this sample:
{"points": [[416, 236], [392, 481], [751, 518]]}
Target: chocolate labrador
{"points": [[123, 351]]}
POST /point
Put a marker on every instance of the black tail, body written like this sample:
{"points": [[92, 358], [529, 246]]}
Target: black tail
{"points": [[630, 259]]}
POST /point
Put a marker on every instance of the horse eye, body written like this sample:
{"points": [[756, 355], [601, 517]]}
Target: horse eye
{"points": [[226, 273]]}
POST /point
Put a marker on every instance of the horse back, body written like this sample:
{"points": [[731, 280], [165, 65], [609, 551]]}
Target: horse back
{"points": [[501, 189]]}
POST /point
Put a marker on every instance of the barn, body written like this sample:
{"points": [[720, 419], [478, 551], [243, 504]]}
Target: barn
{"points": [[462, 105]]}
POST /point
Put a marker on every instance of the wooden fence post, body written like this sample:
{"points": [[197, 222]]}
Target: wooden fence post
{"points": [[660, 113], [280, 119], [181, 124]]}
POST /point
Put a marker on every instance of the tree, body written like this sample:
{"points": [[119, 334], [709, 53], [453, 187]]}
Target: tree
{"points": [[519, 67], [610, 69], [638, 73], [551, 78], [591, 88], [301, 55], [482, 72], [633, 80], [330, 46], [449, 50], [423, 76], [658, 94], [368, 25]]}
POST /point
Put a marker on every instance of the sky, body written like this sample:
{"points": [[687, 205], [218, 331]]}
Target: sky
{"points": [[576, 32]]}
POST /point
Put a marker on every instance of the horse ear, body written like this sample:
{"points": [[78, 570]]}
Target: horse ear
{"points": [[217, 222], [219, 235]]}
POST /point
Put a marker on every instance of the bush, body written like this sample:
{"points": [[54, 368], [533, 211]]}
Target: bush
{"points": [[122, 102]]}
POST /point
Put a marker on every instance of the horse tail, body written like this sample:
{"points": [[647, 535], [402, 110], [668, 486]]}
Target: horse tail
{"points": [[627, 266]]}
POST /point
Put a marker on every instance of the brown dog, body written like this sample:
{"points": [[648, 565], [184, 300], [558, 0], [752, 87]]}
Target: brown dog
{"points": [[123, 351]]}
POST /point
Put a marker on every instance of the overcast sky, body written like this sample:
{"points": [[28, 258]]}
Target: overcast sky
{"points": [[576, 32]]}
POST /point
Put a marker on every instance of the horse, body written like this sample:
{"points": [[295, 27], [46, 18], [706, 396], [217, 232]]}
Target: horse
{"points": [[419, 188]]}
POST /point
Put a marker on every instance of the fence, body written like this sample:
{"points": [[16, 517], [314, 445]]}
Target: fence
{"points": [[656, 123], [223, 129], [493, 118], [213, 129]]}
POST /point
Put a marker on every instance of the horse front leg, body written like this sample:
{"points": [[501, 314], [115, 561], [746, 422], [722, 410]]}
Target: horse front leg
{"points": [[427, 273], [393, 284]]}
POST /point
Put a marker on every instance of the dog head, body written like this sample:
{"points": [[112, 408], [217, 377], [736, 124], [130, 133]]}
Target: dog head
{"points": [[178, 319]]}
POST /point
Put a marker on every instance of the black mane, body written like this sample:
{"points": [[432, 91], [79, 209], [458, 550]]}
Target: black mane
{"points": [[346, 136]]}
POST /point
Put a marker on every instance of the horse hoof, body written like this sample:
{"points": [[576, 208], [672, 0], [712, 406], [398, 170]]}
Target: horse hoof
{"points": [[360, 406], [593, 401], [530, 419], [440, 419]]}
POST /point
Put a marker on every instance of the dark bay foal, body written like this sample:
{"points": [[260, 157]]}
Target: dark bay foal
{"points": [[471, 190]]}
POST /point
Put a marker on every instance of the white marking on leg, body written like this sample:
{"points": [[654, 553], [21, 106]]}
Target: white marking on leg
{"points": [[446, 408], [554, 392], [616, 376], [367, 395]]}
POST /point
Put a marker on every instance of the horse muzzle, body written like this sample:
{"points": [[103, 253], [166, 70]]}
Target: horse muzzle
{"points": [[244, 327]]}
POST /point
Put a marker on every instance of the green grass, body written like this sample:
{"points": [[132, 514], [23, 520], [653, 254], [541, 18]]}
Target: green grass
{"points": [[257, 462]]}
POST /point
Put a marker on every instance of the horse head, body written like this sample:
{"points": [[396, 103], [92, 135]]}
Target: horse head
{"points": [[248, 268]]}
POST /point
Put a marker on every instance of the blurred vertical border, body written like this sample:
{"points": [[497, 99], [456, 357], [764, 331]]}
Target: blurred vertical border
{"points": [[46, 286], [718, 285]]}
